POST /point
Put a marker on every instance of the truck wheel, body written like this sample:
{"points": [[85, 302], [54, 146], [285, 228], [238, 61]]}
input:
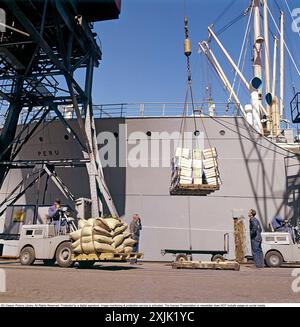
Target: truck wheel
{"points": [[274, 259], [181, 258], [217, 257], [49, 262], [85, 264], [64, 255], [27, 256]]}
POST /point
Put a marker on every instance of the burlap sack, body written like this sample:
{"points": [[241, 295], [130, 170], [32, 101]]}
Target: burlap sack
{"points": [[103, 248], [100, 231], [128, 242], [126, 235], [99, 222], [128, 249], [113, 222], [119, 230], [75, 244], [118, 240], [82, 223], [78, 250], [103, 239], [86, 239], [120, 249], [86, 231], [75, 235], [88, 248]]}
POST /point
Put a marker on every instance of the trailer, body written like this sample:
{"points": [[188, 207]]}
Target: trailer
{"points": [[183, 255]]}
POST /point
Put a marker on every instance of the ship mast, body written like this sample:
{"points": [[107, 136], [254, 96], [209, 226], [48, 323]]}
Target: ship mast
{"points": [[281, 93], [258, 40], [267, 62]]}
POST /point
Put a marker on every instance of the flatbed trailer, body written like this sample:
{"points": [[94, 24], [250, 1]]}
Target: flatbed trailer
{"points": [[185, 254]]}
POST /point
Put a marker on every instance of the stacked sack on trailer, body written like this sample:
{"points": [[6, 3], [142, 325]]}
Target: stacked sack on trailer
{"points": [[195, 167], [102, 235]]}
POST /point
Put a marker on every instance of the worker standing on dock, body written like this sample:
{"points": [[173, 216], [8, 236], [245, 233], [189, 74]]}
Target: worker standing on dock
{"points": [[256, 239], [135, 229]]}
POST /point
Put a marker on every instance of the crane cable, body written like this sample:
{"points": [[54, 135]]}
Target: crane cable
{"points": [[188, 52], [189, 91], [241, 53]]}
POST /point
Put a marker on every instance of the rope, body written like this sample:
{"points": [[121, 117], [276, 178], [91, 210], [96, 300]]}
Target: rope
{"points": [[287, 48], [224, 12], [241, 53], [235, 20], [290, 11]]}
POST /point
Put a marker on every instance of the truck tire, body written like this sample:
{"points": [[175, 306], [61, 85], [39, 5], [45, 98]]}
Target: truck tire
{"points": [[181, 258], [49, 262], [27, 256], [63, 255], [217, 257], [85, 264], [273, 259]]}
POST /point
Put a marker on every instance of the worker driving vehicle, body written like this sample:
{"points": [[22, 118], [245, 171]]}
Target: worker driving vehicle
{"points": [[280, 224], [58, 216]]}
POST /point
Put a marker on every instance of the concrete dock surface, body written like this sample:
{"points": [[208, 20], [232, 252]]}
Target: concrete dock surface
{"points": [[147, 283]]}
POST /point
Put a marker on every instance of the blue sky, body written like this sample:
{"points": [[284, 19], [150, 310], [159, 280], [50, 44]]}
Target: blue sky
{"points": [[143, 58]]}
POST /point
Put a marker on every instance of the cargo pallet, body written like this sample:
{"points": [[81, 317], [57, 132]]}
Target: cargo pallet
{"points": [[201, 189], [106, 257], [217, 265]]}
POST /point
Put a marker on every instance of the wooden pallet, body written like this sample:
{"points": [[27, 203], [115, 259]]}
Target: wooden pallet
{"points": [[201, 189], [217, 265], [107, 256]]}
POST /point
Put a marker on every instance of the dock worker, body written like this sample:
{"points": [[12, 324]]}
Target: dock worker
{"points": [[135, 229], [280, 224], [54, 215], [256, 239]]}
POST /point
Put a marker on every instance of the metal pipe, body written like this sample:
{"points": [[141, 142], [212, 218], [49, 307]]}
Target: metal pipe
{"points": [[274, 67], [267, 60], [217, 67], [230, 59], [281, 92], [257, 64]]}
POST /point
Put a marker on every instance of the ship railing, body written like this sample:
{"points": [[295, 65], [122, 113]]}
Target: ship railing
{"points": [[166, 109], [146, 109]]}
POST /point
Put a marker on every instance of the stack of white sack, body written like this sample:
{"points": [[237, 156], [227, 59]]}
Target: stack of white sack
{"points": [[182, 167], [210, 164], [102, 235]]}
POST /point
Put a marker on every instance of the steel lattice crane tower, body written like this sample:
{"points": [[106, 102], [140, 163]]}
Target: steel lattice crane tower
{"points": [[42, 42]]}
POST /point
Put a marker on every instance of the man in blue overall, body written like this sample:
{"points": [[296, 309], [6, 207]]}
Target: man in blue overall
{"points": [[255, 235]]}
